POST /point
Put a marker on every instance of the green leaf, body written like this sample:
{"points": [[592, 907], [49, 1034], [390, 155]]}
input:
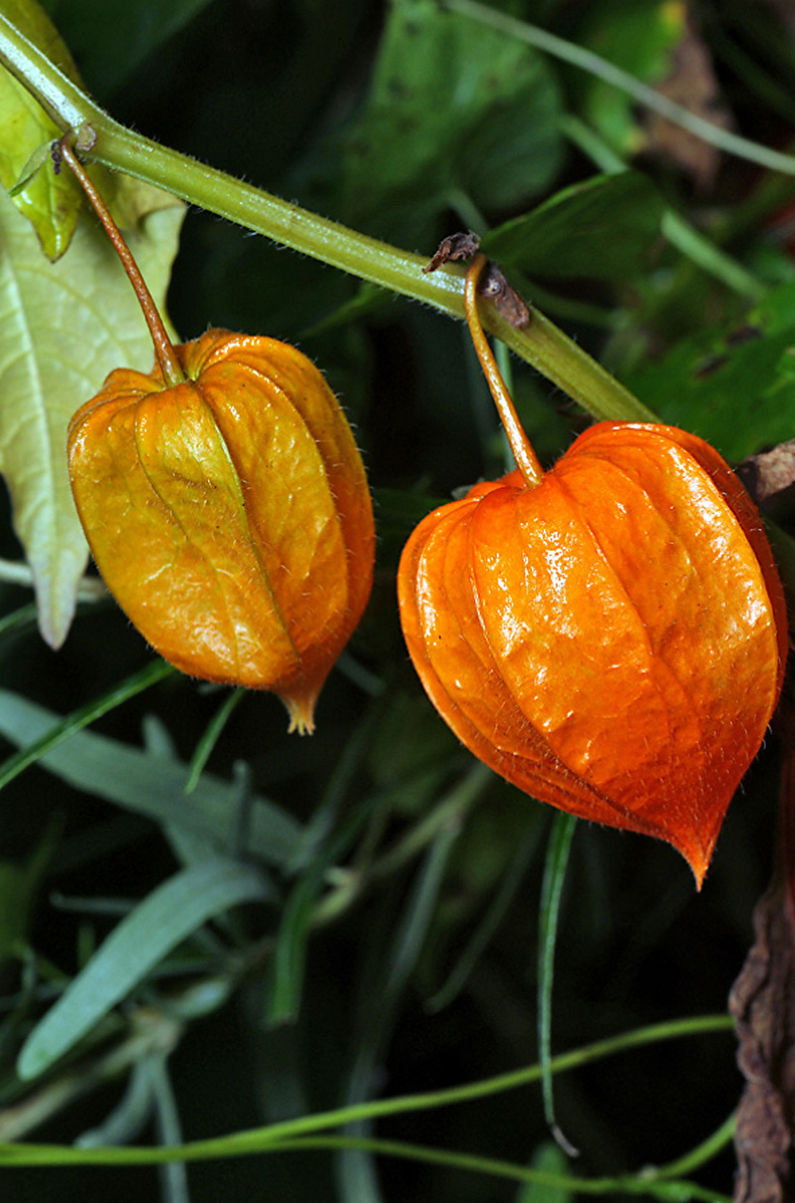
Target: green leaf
{"points": [[601, 228], [50, 202], [173, 1175], [289, 958], [453, 107], [14, 907], [157, 925], [150, 785], [490, 917], [65, 326], [735, 387]]}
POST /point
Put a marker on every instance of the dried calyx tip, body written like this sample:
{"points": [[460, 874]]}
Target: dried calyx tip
{"points": [[302, 716], [492, 284]]}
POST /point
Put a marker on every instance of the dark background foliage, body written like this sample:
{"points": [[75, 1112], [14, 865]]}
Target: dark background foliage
{"points": [[332, 105]]}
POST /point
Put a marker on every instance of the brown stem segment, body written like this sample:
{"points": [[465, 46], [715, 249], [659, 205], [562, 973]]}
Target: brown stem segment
{"points": [[165, 354], [523, 453]]}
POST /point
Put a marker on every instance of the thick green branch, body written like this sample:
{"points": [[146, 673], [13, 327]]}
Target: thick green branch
{"points": [[542, 344]]}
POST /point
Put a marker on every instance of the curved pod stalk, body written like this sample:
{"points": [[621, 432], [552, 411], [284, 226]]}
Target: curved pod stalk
{"points": [[610, 638]]}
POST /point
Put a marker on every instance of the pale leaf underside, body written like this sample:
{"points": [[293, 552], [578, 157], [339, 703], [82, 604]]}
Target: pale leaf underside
{"points": [[63, 327]]}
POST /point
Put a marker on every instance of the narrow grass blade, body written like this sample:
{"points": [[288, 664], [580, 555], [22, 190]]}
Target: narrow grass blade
{"points": [[210, 738], [551, 890], [128, 688]]}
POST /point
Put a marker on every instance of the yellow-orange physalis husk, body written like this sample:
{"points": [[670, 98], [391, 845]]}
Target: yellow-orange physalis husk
{"points": [[229, 515], [612, 640]]}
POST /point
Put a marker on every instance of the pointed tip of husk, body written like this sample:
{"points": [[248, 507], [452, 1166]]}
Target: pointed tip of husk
{"points": [[698, 857], [699, 875]]}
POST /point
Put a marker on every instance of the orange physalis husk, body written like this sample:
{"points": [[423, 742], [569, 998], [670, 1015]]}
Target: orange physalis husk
{"points": [[229, 515], [226, 505], [611, 638]]}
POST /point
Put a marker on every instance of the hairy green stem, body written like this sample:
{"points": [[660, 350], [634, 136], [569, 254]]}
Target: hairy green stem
{"points": [[541, 344]]}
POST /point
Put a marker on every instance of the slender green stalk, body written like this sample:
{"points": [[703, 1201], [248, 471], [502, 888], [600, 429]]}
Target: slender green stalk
{"points": [[541, 344], [637, 1185], [594, 64], [640, 1184], [450, 809], [262, 1139], [486, 926], [174, 1175], [627, 1184], [702, 1153], [25, 616]]}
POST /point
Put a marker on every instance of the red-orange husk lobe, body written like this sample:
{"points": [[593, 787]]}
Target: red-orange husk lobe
{"points": [[609, 641]]}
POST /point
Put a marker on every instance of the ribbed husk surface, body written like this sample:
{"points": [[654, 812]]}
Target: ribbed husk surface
{"points": [[230, 515], [611, 641]]}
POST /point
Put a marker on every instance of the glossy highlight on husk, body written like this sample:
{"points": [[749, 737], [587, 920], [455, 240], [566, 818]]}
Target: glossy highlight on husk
{"points": [[229, 515], [611, 638]]}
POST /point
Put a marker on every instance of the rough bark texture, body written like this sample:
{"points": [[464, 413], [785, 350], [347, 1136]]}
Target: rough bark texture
{"points": [[762, 1002], [763, 1005]]}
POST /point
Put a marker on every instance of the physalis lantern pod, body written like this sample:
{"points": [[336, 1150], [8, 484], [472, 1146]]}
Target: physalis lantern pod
{"points": [[609, 636], [226, 506]]}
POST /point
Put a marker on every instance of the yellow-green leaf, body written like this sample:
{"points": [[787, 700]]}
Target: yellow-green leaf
{"points": [[51, 202], [63, 327]]}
